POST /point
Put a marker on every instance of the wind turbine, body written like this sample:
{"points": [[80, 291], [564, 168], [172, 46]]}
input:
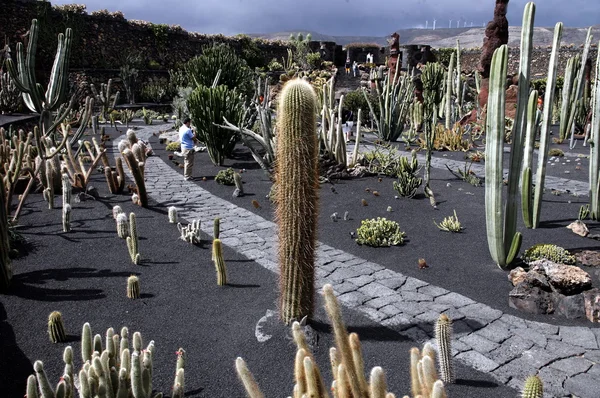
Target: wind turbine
{"points": [[426, 24], [450, 25], [458, 24], [434, 23]]}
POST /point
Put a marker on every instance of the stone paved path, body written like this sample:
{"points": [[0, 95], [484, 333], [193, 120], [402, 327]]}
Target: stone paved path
{"points": [[505, 346]]}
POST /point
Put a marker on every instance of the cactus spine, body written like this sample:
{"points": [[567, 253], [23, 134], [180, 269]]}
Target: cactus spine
{"points": [[132, 240], [122, 226], [173, 215], [56, 327], [133, 287], [217, 228], [443, 337], [533, 388], [66, 206], [297, 198], [546, 120], [217, 255]]}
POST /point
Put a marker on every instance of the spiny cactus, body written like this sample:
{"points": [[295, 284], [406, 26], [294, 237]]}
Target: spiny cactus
{"points": [[379, 232], [122, 226], [217, 228], [66, 203], [550, 252], [116, 210], [5, 265], [443, 337], [66, 218], [173, 214], [534, 388], [49, 190], [56, 327], [191, 232], [138, 175], [450, 224], [239, 187], [297, 198], [132, 240], [133, 287], [217, 255]]}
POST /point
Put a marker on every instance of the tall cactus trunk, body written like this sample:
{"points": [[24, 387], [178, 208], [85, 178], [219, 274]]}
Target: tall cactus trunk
{"points": [[526, 188], [595, 149], [540, 175], [579, 80], [5, 266], [448, 102], [297, 198]]}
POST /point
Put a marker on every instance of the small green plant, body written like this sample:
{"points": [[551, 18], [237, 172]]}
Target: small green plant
{"points": [[225, 177], [408, 180], [550, 252], [466, 174], [556, 152], [379, 232], [450, 224], [584, 212], [476, 156], [173, 146]]}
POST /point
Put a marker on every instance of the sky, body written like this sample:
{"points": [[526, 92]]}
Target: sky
{"points": [[339, 17]]}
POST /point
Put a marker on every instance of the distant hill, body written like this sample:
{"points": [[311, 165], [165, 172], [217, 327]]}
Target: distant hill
{"points": [[468, 37]]}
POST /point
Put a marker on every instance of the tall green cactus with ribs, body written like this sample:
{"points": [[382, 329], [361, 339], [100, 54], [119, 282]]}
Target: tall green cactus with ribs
{"points": [[595, 149], [297, 181]]}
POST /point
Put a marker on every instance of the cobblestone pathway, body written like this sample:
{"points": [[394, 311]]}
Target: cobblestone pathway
{"points": [[505, 346]]}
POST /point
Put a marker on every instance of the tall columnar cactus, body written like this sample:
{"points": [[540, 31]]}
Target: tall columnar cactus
{"points": [[56, 327], [443, 337], [133, 287], [530, 132], [459, 88], [578, 83], [358, 137], [297, 198], [595, 149], [540, 175], [138, 176], [103, 98], [132, 240], [49, 190], [534, 388], [503, 240], [217, 255], [448, 94], [5, 265], [24, 77], [122, 226], [217, 228], [66, 204]]}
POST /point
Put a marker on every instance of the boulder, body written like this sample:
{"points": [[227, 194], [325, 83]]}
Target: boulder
{"points": [[531, 299], [517, 276], [591, 258], [591, 300], [565, 279], [571, 307], [578, 227]]}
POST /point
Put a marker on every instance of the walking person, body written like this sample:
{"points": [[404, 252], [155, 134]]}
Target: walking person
{"points": [[187, 139], [348, 64], [354, 68]]}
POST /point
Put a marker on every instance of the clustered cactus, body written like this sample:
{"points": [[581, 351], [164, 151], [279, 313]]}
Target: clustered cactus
{"points": [[450, 224], [408, 179], [379, 232], [115, 371], [191, 232], [550, 252], [225, 177]]}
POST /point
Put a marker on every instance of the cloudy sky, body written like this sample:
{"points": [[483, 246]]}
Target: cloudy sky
{"points": [[339, 17]]}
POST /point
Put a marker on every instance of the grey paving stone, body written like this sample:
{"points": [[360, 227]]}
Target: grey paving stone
{"points": [[375, 289], [253, 254], [583, 385], [593, 355], [458, 346], [387, 274], [393, 283], [380, 302], [478, 343], [495, 331], [430, 317], [409, 308], [563, 350], [481, 311], [454, 299], [544, 328], [414, 296], [433, 291], [580, 336], [343, 257], [413, 284], [342, 274], [510, 349], [399, 322], [478, 361], [344, 287], [390, 311], [354, 261], [572, 366], [594, 370], [361, 280], [553, 380], [530, 334], [373, 314], [353, 299]]}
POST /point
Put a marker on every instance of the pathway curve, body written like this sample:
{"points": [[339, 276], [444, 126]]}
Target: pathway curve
{"points": [[505, 346]]}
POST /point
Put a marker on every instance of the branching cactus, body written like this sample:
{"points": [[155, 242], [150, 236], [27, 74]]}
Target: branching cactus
{"points": [[122, 226], [132, 240], [217, 255], [443, 337], [297, 198], [173, 217], [103, 98], [133, 287], [56, 327], [191, 232], [533, 388]]}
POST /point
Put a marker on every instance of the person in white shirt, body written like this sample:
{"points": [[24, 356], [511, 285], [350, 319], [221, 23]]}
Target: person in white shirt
{"points": [[187, 139]]}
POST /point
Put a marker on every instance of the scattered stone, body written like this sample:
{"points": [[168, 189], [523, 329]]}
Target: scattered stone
{"points": [[571, 307], [591, 258], [566, 279], [531, 299], [591, 300], [517, 276], [579, 228]]}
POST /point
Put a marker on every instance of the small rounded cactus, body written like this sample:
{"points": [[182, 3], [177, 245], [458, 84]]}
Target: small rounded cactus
{"points": [[533, 388], [122, 226], [116, 210], [56, 327], [173, 218], [133, 287], [443, 337]]}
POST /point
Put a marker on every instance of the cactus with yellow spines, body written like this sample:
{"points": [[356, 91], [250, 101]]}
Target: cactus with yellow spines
{"points": [[56, 327], [133, 287], [297, 198], [443, 337], [217, 255], [534, 388]]}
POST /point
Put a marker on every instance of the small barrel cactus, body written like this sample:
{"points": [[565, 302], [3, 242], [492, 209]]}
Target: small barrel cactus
{"points": [[116, 210], [122, 226], [173, 215], [133, 287], [219, 262], [56, 327], [533, 388]]}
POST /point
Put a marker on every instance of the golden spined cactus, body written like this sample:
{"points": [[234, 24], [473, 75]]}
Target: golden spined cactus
{"points": [[297, 198], [443, 337], [133, 287], [533, 388], [56, 327]]}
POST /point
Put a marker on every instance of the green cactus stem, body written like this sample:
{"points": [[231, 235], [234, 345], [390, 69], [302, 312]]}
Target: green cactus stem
{"points": [[526, 186], [595, 149], [540, 176], [133, 287], [5, 265], [247, 379], [297, 198], [56, 327], [217, 228], [448, 94], [138, 176], [443, 337], [173, 217], [217, 254], [132, 240], [122, 226], [534, 388]]}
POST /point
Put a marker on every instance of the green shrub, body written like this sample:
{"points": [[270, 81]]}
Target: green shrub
{"points": [[550, 252], [314, 60], [225, 177], [275, 65], [556, 152], [355, 100], [379, 232], [173, 146]]}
